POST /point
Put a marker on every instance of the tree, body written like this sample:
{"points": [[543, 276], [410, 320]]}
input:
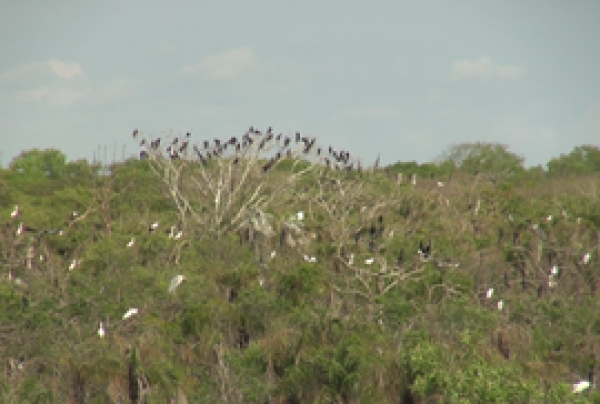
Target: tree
{"points": [[582, 160], [48, 163], [489, 158]]}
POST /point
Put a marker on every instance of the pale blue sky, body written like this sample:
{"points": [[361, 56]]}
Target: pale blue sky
{"points": [[404, 79]]}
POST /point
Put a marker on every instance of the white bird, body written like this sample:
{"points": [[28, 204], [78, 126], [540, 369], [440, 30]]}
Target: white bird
{"points": [[130, 313], [73, 265], [178, 235], [153, 227], [581, 386], [554, 270], [300, 215], [351, 261], [273, 254], [489, 293], [101, 331], [261, 280], [172, 232], [500, 305], [175, 282], [20, 229], [15, 212], [309, 259], [369, 261], [586, 258], [131, 243], [549, 218], [440, 184]]}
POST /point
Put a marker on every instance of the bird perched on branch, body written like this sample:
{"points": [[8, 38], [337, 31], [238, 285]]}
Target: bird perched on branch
{"points": [[175, 282], [130, 313]]}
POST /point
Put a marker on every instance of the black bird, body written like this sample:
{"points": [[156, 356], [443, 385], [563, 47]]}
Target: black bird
{"points": [[297, 137], [143, 155], [424, 250], [188, 134], [135, 133]]}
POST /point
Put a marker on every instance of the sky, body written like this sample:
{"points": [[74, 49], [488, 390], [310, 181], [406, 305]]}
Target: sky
{"points": [[405, 80]]}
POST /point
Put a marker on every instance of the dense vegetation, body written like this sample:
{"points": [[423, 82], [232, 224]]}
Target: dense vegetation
{"points": [[369, 320]]}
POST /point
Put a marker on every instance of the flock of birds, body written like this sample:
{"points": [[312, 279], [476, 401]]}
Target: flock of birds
{"points": [[252, 143], [75, 263]]}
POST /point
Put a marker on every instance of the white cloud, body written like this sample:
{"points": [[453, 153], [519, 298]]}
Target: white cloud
{"points": [[485, 69], [50, 68], [226, 65], [67, 71]]}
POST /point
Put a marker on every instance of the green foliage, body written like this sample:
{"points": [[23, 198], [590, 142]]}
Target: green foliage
{"points": [[40, 163], [488, 158], [246, 326], [581, 160]]}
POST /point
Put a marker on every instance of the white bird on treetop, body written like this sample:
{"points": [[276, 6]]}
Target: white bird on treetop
{"points": [[554, 270], [489, 293], [178, 235], [369, 261], [130, 313], [300, 215], [131, 243], [15, 212], [20, 229], [273, 254], [153, 227], [175, 282], [581, 386], [101, 331], [500, 305]]}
